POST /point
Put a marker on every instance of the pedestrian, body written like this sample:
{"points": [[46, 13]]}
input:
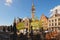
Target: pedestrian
{"points": [[21, 36]]}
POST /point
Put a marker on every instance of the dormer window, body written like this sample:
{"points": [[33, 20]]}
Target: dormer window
{"points": [[55, 15]]}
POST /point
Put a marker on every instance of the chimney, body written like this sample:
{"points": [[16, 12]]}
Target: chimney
{"points": [[56, 11]]}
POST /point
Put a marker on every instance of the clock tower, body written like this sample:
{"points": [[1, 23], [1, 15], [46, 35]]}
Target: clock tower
{"points": [[33, 10]]}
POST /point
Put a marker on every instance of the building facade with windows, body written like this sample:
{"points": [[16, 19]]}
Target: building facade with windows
{"points": [[54, 20]]}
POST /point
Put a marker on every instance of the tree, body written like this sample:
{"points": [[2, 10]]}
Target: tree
{"points": [[40, 23], [35, 24], [20, 25]]}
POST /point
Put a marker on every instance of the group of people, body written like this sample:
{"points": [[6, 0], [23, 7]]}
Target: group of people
{"points": [[51, 35], [31, 37]]}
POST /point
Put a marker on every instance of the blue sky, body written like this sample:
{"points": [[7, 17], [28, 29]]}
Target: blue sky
{"points": [[22, 8]]}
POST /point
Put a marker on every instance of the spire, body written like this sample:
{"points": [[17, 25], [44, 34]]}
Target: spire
{"points": [[42, 14], [33, 10], [33, 7]]}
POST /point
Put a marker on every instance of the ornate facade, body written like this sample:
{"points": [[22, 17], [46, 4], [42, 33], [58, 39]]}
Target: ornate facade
{"points": [[44, 21]]}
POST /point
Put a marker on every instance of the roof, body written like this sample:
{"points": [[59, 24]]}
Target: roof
{"points": [[44, 16], [56, 15]]}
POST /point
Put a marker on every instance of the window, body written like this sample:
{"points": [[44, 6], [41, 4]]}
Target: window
{"points": [[55, 24], [59, 19], [55, 15], [55, 20], [26, 24], [52, 24], [52, 20], [49, 21], [59, 23], [49, 24]]}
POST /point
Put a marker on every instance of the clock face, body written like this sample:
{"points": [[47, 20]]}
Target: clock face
{"points": [[33, 11]]}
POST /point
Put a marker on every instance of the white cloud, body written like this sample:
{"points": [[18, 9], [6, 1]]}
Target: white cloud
{"points": [[8, 2], [52, 11]]}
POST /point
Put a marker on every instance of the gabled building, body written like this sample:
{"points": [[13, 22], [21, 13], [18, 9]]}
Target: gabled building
{"points": [[44, 21]]}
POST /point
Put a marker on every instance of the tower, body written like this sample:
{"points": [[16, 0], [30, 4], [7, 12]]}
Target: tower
{"points": [[33, 10]]}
